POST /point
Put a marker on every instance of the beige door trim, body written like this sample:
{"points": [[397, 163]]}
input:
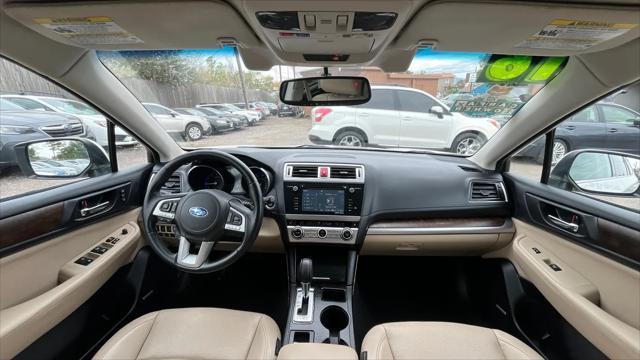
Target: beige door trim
{"points": [[597, 296], [41, 286]]}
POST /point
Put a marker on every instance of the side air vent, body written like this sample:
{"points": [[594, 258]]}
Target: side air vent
{"points": [[172, 185], [302, 171], [488, 191], [343, 172]]}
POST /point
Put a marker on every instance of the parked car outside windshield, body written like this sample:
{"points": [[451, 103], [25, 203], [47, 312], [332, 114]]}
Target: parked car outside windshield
{"points": [[446, 101]]}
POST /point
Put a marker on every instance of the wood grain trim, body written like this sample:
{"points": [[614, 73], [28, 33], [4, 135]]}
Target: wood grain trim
{"points": [[29, 225], [440, 223], [619, 239]]}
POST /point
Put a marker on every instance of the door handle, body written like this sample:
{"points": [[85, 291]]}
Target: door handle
{"points": [[613, 130], [570, 127], [363, 114], [94, 209], [565, 225]]}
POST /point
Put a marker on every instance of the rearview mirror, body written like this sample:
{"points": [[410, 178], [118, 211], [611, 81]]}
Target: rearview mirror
{"points": [[318, 91], [598, 172], [62, 158]]}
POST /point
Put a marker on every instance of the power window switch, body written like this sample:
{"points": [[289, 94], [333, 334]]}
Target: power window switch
{"points": [[112, 240], [84, 261], [555, 267], [536, 250], [99, 250]]}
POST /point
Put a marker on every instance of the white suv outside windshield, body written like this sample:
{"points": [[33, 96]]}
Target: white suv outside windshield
{"points": [[446, 101]]}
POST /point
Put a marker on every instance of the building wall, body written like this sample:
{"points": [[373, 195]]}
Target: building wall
{"points": [[431, 85]]}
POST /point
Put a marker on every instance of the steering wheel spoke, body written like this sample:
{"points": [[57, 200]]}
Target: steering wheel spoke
{"points": [[185, 258]]}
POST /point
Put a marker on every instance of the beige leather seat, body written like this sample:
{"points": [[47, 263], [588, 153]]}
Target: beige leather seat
{"points": [[195, 333], [439, 340]]}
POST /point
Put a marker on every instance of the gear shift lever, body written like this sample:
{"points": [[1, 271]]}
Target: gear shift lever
{"points": [[304, 297], [305, 276]]}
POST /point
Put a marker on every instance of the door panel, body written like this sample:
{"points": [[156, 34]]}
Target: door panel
{"points": [[41, 282], [590, 275], [42, 285]]}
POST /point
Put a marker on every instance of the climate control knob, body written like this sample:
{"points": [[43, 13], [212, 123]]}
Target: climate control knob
{"points": [[297, 233], [346, 234]]}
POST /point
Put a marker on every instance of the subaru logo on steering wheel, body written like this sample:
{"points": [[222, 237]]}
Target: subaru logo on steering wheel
{"points": [[198, 211]]}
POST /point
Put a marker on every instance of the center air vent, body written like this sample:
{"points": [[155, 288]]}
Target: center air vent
{"points": [[172, 185], [488, 191], [343, 172], [302, 171], [324, 172]]}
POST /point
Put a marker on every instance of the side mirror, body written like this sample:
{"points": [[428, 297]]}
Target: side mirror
{"points": [[636, 123], [598, 172], [173, 114], [326, 91], [437, 110], [62, 158]]}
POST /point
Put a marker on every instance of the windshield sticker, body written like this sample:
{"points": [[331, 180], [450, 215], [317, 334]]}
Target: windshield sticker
{"points": [[487, 106], [517, 69], [563, 34], [95, 30]]}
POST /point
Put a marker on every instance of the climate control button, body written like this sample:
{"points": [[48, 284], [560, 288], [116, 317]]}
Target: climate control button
{"points": [[322, 233], [346, 234], [297, 233]]}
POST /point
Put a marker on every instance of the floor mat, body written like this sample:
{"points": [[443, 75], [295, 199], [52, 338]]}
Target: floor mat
{"points": [[390, 289]]}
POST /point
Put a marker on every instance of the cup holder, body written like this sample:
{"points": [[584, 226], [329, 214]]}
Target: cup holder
{"points": [[335, 319]]}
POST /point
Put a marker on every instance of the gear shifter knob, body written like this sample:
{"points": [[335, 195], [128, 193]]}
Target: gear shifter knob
{"points": [[305, 275]]}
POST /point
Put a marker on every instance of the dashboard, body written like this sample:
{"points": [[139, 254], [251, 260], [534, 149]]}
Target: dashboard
{"points": [[337, 197]]}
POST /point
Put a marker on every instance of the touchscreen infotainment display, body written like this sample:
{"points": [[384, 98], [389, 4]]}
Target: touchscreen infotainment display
{"points": [[323, 201]]}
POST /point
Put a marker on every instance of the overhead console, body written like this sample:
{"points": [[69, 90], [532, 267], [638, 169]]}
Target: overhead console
{"points": [[340, 34], [323, 202], [333, 33]]}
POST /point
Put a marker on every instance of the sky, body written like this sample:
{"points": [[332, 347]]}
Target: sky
{"points": [[429, 61]]}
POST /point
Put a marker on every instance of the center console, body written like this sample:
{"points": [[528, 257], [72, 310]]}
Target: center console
{"points": [[323, 202], [323, 206]]}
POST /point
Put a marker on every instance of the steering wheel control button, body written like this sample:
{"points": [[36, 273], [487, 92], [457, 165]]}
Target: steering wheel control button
{"points": [[166, 208], [235, 221]]}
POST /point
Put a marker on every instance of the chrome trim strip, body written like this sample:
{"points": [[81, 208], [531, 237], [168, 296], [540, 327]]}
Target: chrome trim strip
{"points": [[507, 227], [313, 217]]}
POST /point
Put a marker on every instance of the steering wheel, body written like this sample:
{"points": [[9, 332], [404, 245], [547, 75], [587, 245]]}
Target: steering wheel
{"points": [[202, 217]]}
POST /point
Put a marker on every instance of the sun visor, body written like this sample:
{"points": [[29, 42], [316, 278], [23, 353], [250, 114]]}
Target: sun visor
{"points": [[122, 25], [521, 28]]}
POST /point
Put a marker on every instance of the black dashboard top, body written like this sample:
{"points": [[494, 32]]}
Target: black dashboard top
{"points": [[398, 184]]}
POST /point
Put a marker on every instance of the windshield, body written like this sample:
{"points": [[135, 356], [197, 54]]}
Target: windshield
{"points": [[445, 101], [6, 105], [71, 107]]}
